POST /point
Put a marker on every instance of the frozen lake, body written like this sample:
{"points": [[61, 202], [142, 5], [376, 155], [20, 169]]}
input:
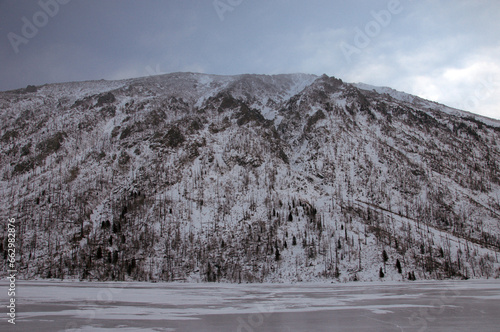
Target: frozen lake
{"points": [[416, 306]]}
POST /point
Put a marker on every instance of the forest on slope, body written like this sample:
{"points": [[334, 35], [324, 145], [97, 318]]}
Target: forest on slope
{"points": [[248, 178]]}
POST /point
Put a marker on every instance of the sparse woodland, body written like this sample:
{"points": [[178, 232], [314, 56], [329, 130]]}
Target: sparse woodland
{"points": [[191, 177]]}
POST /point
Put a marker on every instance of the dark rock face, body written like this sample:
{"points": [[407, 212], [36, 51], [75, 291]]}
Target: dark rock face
{"points": [[31, 89], [107, 98]]}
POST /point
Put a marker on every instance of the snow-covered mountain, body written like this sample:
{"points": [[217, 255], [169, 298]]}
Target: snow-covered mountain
{"points": [[246, 178]]}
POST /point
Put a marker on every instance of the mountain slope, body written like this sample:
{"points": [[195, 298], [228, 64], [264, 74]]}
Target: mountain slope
{"points": [[247, 178]]}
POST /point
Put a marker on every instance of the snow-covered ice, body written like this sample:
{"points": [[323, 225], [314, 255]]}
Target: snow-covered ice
{"points": [[110, 306]]}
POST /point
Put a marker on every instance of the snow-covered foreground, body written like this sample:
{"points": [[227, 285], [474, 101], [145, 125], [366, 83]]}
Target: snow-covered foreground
{"points": [[417, 306]]}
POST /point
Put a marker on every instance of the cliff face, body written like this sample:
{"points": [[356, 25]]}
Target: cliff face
{"points": [[246, 178]]}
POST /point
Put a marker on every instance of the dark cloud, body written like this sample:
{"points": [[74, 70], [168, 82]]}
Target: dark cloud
{"points": [[423, 47]]}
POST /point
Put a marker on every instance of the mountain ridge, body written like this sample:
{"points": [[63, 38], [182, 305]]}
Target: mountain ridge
{"points": [[363, 86], [247, 178]]}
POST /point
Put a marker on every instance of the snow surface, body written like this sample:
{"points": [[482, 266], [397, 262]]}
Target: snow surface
{"points": [[346, 165], [271, 307]]}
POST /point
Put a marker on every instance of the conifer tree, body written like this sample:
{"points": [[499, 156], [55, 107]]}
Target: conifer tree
{"points": [[398, 266]]}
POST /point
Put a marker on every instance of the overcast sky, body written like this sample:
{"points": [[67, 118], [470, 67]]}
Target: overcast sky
{"points": [[447, 51]]}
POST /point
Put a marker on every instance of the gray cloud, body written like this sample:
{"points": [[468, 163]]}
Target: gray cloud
{"points": [[442, 50]]}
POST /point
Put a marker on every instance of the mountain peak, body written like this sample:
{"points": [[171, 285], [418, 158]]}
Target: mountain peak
{"points": [[253, 178]]}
